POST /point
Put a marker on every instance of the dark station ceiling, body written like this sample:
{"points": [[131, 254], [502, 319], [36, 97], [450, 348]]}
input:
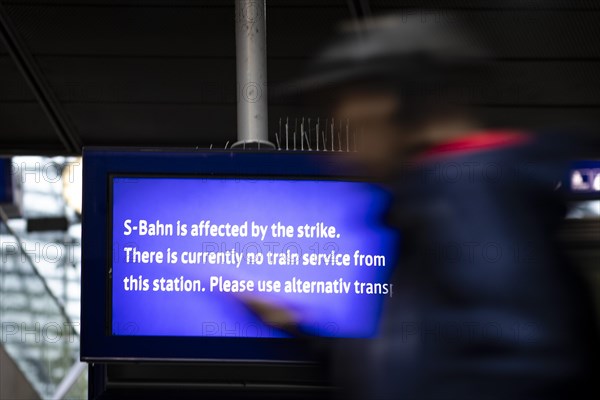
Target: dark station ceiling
{"points": [[162, 72]]}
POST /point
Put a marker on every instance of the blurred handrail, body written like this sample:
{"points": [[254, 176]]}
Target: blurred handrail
{"points": [[69, 380]]}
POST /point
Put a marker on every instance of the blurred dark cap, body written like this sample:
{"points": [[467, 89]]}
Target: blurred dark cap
{"points": [[402, 50]]}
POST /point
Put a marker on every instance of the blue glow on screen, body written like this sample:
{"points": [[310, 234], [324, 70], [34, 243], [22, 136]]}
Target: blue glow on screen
{"points": [[353, 208]]}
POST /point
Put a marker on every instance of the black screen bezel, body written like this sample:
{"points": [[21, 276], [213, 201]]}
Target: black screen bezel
{"points": [[99, 165]]}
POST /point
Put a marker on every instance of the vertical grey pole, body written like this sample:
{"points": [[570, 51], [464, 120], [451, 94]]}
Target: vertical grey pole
{"points": [[251, 63]]}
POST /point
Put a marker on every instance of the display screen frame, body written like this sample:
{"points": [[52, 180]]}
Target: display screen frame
{"points": [[100, 166]]}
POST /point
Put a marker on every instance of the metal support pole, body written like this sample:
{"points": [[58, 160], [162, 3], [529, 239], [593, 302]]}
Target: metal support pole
{"points": [[251, 63]]}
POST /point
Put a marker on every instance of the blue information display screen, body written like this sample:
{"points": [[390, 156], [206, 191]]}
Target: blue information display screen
{"points": [[584, 177], [190, 253]]}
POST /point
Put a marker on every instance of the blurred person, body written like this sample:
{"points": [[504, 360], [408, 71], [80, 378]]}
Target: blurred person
{"points": [[485, 305]]}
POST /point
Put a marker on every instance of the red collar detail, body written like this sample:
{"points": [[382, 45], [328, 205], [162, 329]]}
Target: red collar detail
{"points": [[480, 141]]}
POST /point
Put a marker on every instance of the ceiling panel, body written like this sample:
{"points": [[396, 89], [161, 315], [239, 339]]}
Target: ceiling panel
{"points": [[299, 32], [24, 128], [141, 80], [162, 72], [523, 33], [488, 4], [13, 87], [154, 124], [135, 30]]}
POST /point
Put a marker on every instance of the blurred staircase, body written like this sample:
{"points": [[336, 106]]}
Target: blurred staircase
{"points": [[35, 333]]}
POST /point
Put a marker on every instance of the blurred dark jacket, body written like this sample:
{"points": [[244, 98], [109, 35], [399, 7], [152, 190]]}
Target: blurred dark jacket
{"points": [[485, 305]]}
